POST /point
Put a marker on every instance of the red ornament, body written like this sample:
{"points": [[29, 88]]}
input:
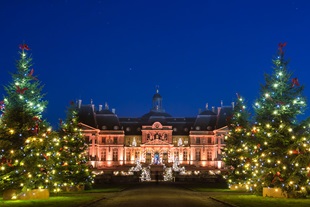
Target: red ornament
{"points": [[281, 45], [45, 156], [295, 82], [36, 119], [36, 129], [31, 72], [43, 170], [3, 160], [295, 152], [20, 91], [1, 105], [277, 176], [24, 47]]}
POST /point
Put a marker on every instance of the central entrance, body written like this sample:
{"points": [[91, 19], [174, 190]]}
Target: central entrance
{"points": [[156, 158]]}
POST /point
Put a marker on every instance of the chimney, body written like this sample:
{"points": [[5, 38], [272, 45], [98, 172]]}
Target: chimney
{"points": [[93, 107], [207, 106], [218, 110], [213, 109], [106, 106], [113, 111], [100, 107], [233, 104], [79, 103], [199, 111]]}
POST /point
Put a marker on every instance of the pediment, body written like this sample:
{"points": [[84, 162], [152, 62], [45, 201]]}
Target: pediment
{"points": [[156, 142], [86, 127]]}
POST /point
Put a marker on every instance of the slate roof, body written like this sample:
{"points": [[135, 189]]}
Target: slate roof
{"points": [[207, 112], [205, 122], [224, 113], [155, 114], [87, 116], [107, 120]]}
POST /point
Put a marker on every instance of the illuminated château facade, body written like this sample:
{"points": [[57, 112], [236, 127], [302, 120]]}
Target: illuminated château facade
{"points": [[156, 138]]}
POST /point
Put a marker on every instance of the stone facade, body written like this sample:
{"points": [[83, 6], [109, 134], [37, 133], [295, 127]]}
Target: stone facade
{"points": [[156, 138]]}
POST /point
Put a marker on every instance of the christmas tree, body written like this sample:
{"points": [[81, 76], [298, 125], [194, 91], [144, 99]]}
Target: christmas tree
{"points": [[24, 136], [72, 169], [238, 150], [280, 138]]}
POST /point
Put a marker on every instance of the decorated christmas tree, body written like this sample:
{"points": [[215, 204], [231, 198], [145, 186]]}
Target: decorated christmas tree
{"points": [[238, 151], [281, 140], [72, 169], [25, 145]]}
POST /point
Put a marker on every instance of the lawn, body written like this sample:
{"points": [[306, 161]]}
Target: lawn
{"points": [[69, 201], [242, 199], [66, 199], [255, 201]]}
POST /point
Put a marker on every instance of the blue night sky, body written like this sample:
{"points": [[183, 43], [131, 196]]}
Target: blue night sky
{"points": [[114, 51]]}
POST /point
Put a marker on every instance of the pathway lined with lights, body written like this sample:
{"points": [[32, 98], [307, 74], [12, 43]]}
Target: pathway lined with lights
{"points": [[154, 195]]}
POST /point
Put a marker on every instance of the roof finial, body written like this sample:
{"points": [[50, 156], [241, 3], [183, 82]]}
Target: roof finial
{"points": [[106, 106], [157, 88]]}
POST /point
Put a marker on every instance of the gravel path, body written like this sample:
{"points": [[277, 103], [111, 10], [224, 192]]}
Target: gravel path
{"points": [[157, 195]]}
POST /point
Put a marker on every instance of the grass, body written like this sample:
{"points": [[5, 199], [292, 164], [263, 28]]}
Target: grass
{"points": [[243, 199], [67, 199], [255, 201], [74, 199]]}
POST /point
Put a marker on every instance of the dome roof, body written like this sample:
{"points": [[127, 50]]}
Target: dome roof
{"points": [[156, 95]]}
